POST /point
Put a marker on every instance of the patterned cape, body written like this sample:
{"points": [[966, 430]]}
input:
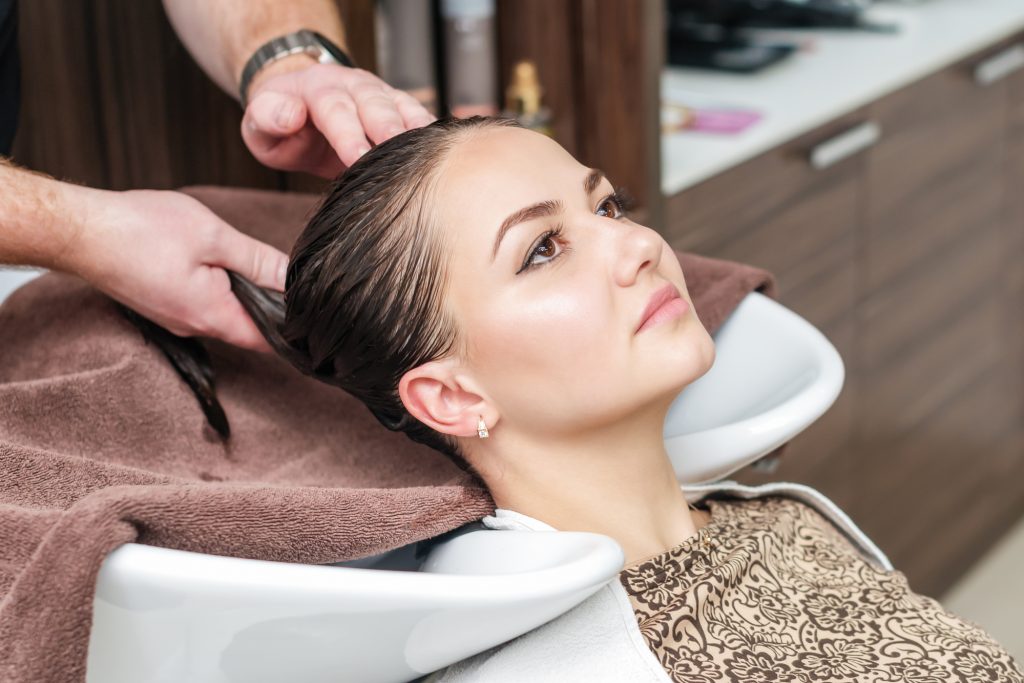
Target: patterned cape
{"points": [[770, 590], [779, 585]]}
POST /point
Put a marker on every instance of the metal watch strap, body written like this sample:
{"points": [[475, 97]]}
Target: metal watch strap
{"points": [[299, 42]]}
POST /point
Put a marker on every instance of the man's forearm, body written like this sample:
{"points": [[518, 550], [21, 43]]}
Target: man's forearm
{"points": [[40, 218], [222, 35]]}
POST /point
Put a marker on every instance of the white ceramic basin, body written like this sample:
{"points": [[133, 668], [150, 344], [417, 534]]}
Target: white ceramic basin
{"points": [[774, 374], [170, 615]]}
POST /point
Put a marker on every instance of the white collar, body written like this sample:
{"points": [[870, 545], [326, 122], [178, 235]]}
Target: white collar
{"points": [[509, 519]]}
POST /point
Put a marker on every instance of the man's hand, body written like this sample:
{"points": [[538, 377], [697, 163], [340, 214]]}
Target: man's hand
{"points": [[318, 118], [163, 254], [301, 115]]}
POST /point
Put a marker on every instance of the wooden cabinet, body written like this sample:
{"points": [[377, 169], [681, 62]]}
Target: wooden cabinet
{"points": [[780, 213], [1013, 240], [908, 256], [939, 407]]}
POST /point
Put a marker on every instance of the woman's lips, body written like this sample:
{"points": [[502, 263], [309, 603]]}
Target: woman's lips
{"points": [[665, 304]]}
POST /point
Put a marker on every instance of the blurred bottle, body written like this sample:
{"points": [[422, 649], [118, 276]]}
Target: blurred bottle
{"points": [[470, 57], [405, 49], [522, 99]]}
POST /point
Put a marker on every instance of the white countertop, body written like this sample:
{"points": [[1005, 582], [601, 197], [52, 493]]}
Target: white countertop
{"points": [[843, 70]]}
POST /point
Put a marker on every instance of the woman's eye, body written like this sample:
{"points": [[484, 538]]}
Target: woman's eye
{"points": [[545, 249], [616, 211], [548, 247]]}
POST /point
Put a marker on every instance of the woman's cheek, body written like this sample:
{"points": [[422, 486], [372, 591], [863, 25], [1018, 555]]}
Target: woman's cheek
{"points": [[570, 318], [545, 328]]}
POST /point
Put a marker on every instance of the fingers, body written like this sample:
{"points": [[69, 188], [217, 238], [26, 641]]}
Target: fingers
{"points": [[263, 265], [350, 112], [229, 322], [270, 118], [413, 112], [294, 118], [376, 109], [250, 258], [214, 312], [217, 313], [334, 113]]}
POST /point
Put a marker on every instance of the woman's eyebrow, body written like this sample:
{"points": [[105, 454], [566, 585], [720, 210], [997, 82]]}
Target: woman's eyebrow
{"points": [[548, 207]]}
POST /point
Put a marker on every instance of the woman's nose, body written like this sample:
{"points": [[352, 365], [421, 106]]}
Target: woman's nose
{"points": [[637, 248]]}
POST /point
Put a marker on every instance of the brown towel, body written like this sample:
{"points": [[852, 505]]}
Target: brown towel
{"points": [[101, 443]]}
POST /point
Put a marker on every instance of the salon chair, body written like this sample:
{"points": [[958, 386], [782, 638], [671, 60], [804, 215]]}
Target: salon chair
{"points": [[172, 615]]}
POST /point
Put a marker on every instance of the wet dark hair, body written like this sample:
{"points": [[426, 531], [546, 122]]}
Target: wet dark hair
{"points": [[363, 301]]}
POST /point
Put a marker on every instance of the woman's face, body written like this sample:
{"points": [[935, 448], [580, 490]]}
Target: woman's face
{"points": [[551, 321]]}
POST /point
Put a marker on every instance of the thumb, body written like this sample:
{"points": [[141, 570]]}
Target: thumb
{"points": [[261, 263], [270, 117]]}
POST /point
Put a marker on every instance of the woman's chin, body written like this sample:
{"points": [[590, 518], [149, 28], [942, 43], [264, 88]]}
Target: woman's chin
{"points": [[684, 359]]}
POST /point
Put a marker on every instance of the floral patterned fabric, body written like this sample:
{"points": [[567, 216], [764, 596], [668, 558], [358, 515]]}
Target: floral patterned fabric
{"points": [[770, 590]]}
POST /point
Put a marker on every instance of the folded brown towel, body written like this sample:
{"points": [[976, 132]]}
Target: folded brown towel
{"points": [[101, 443]]}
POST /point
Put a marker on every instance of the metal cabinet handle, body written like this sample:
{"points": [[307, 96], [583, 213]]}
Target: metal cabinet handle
{"points": [[845, 145], [1000, 65]]}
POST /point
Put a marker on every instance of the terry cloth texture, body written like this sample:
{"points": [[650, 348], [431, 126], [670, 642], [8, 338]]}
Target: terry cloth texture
{"points": [[102, 443]]}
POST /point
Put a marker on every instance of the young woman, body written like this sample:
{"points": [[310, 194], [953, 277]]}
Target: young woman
{"points": [[484, 292]]}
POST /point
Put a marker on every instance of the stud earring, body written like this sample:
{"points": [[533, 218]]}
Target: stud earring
{"points": [[481, 428]]}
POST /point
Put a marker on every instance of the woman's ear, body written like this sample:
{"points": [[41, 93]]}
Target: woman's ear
{"points": [[440, 399]]}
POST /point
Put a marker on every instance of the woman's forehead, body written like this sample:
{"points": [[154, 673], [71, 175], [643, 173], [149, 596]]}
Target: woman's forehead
{"points": [[497, 171]]}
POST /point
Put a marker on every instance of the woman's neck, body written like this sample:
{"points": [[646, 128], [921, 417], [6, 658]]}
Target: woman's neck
{"points": [[618, 482]]}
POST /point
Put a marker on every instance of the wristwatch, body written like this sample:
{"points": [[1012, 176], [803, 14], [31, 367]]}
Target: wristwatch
{"points": [[309, 42]]}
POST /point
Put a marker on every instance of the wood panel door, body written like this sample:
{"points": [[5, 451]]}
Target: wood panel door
{"points": [[1012, 269], [937, 465]]}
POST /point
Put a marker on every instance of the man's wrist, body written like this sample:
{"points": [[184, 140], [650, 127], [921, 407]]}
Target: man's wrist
{"points": [[80, 208], [41, 218], [295, 62], [304, 41]]}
